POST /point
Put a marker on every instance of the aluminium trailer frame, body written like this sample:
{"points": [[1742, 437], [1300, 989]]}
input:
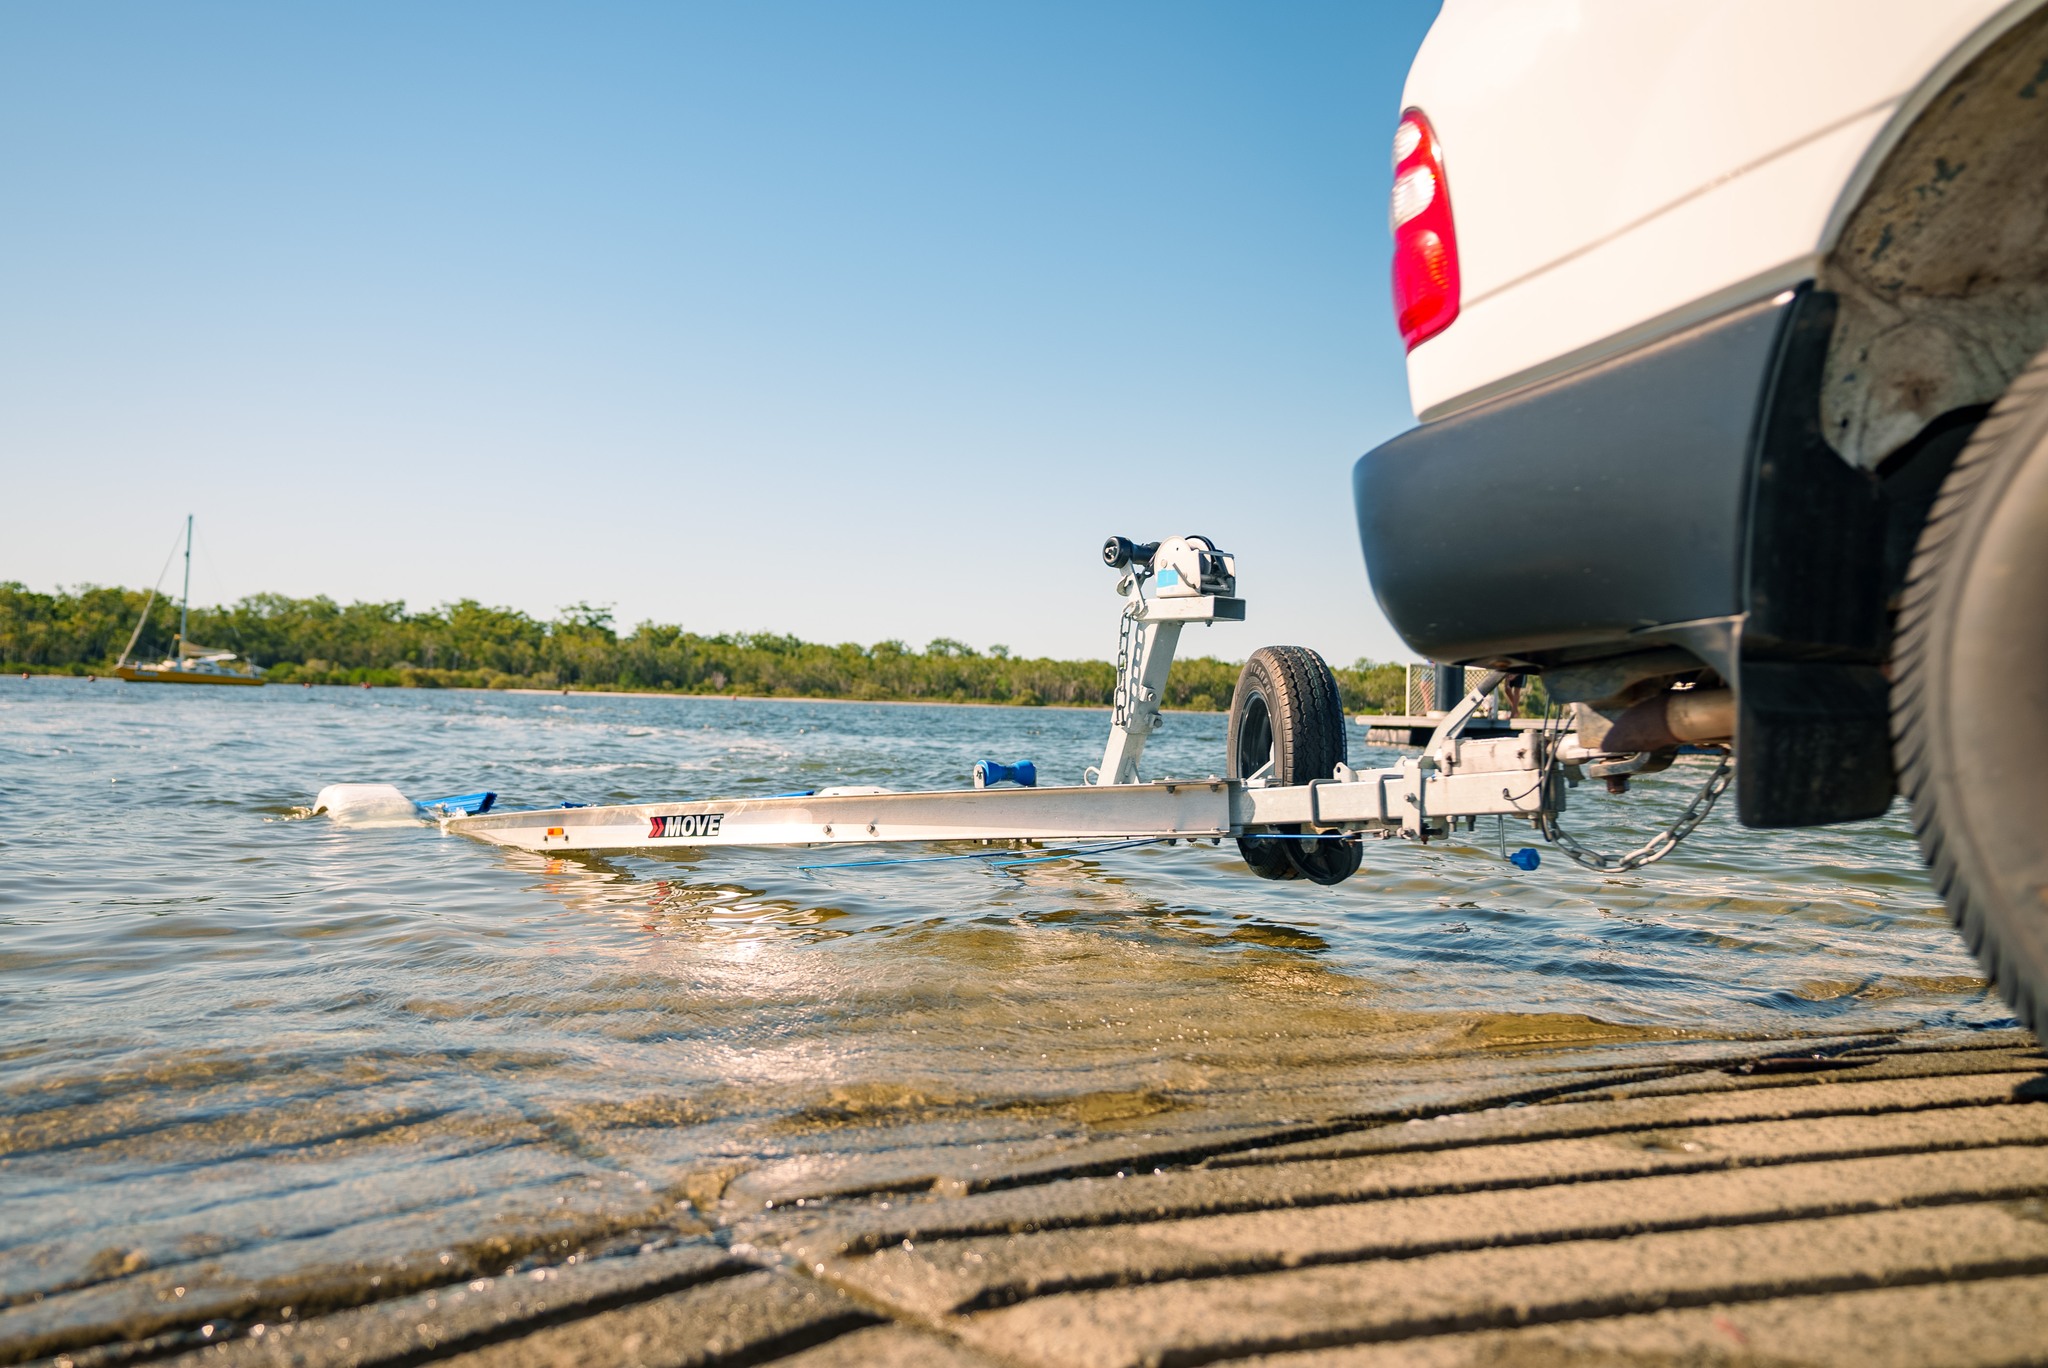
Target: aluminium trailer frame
{"points": [[1166, 586]]}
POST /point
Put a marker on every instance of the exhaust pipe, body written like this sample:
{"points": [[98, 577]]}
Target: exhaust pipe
{"points": [[1672, 719]]}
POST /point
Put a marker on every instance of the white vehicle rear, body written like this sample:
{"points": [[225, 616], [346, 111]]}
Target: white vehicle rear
{"points": [[1725, 328]]}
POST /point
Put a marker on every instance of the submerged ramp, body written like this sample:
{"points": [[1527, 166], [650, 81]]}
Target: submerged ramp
{"points": [[1869, 1202]]}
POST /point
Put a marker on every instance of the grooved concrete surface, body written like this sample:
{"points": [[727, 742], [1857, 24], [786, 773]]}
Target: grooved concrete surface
{"points": [[1878, 1203]]}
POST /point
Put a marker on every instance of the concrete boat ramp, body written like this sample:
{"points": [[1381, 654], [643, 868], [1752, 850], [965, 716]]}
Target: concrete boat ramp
{"points": [[1874, 1201]]}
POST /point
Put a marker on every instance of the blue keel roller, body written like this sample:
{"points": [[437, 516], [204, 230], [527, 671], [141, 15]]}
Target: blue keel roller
{"points": [[989, 772]]}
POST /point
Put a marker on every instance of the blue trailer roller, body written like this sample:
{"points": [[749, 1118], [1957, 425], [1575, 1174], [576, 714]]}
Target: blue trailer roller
{"points": [[991, 772]]}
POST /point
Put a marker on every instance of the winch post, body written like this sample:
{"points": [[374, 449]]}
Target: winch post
{"points": [[1165, 586], [1145, 661]]}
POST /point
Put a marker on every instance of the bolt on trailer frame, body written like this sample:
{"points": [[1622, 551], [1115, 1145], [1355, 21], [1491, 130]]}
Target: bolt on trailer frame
{"points": [[1165, 586]]}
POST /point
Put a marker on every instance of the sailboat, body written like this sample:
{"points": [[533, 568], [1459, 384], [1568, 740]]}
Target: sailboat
{"points": [[189, 663]]}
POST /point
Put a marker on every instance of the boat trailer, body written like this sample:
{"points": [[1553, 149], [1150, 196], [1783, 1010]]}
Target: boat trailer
{"points": [[1288, 795]]}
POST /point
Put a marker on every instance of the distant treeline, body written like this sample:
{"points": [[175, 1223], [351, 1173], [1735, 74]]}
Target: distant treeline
{"points": [[467, 645]]}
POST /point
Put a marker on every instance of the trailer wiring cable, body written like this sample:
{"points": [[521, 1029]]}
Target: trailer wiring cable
{"points": [[993, 858], [1071, 854], [1546, 736]]}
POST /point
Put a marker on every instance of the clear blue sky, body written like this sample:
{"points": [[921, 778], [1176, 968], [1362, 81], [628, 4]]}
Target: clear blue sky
{"points": [[848, 320]]}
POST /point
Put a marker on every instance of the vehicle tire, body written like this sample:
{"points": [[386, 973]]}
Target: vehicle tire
{"points": [[1970, 694], [1286, 709]]}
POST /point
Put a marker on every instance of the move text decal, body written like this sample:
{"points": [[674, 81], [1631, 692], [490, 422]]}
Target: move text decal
{"points": [[690, 824]]}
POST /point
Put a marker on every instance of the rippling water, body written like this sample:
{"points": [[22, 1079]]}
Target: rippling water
{"points": [[240, 1042]]}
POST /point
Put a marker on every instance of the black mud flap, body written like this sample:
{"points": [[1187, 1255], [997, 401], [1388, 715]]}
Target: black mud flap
{"points": [[1814, 744]]}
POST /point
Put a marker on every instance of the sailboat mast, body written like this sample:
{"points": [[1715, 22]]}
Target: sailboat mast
{"points": [[185, 603]]}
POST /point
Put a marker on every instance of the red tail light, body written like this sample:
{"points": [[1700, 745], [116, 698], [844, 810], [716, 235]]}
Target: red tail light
{"points": [[1425, 243]]}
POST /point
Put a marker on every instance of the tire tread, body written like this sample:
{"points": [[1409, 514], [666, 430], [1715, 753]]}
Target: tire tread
{"points": [[1921, 642], [1307, 709]]}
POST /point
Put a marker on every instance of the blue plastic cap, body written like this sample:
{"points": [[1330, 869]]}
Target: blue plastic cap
{"points": [[1525, 858]]}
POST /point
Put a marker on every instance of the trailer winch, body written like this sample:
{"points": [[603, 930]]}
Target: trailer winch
{"points": [[1287, 794]]}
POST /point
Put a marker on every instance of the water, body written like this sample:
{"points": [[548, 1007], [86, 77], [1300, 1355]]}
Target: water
{"points": [[248, 1049]]}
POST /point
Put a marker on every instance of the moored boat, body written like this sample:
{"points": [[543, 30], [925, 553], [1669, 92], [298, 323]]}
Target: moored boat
{"points": [[193, 665], [189, 662]]}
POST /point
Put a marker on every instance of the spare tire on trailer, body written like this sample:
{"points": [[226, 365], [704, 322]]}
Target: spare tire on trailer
{"points": [[1970, 693], [1287, 712]]}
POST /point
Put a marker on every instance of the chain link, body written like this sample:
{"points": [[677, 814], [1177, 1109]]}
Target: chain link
{"points": [[1658, 846], [1130, 644]]}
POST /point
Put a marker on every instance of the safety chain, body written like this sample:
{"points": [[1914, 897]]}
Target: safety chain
{"points": [[1130, 645], [1658, 846]]}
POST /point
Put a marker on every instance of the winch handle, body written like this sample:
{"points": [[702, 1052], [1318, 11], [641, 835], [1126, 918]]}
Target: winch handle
{"points": [[1119, 552]]}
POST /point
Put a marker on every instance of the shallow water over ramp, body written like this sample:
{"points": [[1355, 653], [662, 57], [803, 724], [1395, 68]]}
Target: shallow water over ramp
{"points": [[255, 1060]]}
